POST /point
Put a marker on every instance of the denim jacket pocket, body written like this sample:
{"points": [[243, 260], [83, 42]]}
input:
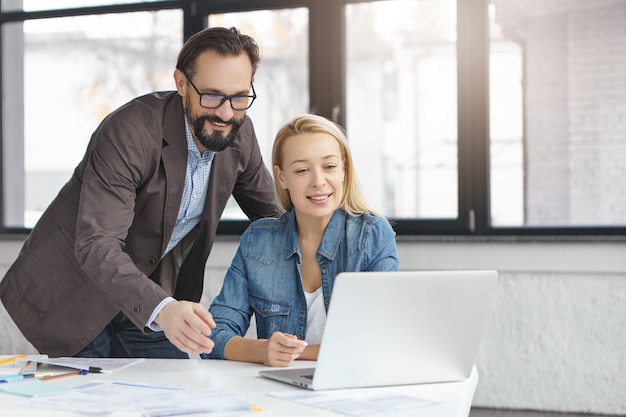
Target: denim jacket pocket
{"points": [[271, 315]]}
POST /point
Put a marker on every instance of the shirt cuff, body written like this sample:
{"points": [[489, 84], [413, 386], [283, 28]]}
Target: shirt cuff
{"points": [[151, 324]]}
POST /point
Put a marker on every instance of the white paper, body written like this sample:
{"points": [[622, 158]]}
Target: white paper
{"points": [[152, 400], [355, 403]]}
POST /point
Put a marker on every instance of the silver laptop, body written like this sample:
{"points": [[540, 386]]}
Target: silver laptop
{"points": [[397, 328]]}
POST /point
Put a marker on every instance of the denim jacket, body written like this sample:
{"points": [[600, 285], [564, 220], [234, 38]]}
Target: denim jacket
{"points": [[264, 277]]}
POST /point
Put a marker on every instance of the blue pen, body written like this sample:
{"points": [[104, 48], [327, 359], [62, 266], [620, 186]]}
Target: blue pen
{"points": [[9, 378]]}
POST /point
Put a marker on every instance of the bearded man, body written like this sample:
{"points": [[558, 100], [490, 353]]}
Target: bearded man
{"points": [[115, 266]]}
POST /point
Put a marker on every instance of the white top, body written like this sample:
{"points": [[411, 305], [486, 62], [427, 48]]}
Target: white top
{"points": [[316, 316]]}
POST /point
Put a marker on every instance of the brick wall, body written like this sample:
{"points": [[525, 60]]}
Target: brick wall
{"points": [[575, 109]]}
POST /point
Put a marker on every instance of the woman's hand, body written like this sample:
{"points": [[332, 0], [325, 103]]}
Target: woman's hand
{"points": [[281, 349]]}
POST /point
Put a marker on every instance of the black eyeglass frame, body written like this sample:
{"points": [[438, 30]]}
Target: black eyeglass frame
{"points": [[224, 97]]}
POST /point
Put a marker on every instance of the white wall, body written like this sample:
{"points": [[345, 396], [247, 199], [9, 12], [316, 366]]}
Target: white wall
{"points": [[556, 339]]}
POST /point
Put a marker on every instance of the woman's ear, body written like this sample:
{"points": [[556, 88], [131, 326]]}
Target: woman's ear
{"points": [[279, 175]]}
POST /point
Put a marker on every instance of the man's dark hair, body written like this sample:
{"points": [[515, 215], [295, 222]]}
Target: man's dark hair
{"points": [[226, 42]]}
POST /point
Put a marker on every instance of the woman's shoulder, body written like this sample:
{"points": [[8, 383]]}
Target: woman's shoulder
{"points": [[368, 233], [369, 219], [268, 222], [267, 225], [264, 238], [369, 225]]}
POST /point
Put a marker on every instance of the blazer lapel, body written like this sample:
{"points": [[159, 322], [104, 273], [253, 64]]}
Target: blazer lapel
{"points": [[221, 184], [174, 160]]}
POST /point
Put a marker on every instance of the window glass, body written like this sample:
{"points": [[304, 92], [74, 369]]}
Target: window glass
{"points": [[282, 78], [558, 153], [401, 107], [66, 75], [506, 128], [38, 5]]}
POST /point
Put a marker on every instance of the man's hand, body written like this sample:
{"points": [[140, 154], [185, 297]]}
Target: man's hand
{"points": [[187, 325]]}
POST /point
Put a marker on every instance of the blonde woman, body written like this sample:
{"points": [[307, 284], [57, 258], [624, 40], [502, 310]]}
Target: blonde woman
{"points": [[284, 269]]}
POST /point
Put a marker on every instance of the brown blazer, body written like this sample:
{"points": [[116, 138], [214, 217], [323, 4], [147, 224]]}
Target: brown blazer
{"points": [[92, 252]]}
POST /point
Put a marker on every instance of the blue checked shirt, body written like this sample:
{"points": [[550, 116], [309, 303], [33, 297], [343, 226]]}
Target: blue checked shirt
{"points": [[191, 205], [194, 193]]}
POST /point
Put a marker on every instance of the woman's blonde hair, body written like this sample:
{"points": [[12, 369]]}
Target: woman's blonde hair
{"points": [[353, 201]]}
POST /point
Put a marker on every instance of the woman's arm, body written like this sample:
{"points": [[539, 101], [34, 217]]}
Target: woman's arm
{"points": [[310, 353], [281, 349], [230, 309], [383, 250]]}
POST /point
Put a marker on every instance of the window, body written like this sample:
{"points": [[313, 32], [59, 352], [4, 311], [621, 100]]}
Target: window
{"points": [[501, 117], [282, 78], [72, 72], [401, 105], [558, 113], [37, 5]]}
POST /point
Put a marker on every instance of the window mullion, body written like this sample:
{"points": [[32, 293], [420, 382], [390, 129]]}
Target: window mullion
{"points": [[473, 115]]}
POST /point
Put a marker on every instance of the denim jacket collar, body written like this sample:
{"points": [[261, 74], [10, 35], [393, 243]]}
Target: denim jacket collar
{"points": [[330, 242]]}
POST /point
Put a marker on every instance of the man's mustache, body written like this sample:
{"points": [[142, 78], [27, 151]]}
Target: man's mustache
{"points": [[215, 119]]}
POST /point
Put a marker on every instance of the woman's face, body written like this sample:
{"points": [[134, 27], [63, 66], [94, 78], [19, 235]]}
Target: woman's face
{"points": [[313, 173]]}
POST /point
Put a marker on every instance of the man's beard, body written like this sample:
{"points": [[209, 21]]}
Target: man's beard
{"points": [[217, 141]]}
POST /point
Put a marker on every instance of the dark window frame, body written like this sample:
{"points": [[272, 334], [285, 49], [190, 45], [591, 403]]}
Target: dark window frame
{"points": [[327, 81]]}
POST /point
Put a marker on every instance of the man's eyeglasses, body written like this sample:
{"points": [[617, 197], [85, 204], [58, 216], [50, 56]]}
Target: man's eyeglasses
{"points": [[213, 100]]}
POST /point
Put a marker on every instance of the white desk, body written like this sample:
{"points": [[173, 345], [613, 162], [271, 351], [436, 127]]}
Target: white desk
{"points": [[243, 378]]}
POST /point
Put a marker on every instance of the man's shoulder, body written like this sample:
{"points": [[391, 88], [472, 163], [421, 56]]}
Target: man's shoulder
{"points": [[154, 102], [145, 107], [151, 112]]}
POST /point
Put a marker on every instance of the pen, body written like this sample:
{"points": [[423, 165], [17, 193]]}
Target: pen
{"points": [[12, 359], [25, 367], [65, 375], [21, 377], [9, 378]]}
